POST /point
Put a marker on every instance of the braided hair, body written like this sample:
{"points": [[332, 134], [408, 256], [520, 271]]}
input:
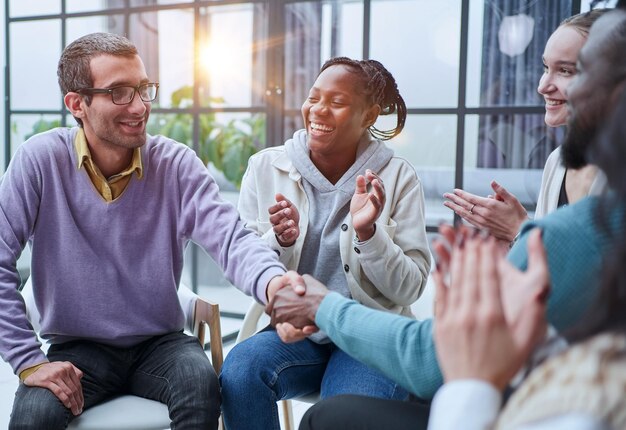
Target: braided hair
{"points": [[379, 88]]}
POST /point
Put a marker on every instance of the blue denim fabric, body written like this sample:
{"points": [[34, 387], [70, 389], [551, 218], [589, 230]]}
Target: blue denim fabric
{"points": [[172, 369], [263, 369]]}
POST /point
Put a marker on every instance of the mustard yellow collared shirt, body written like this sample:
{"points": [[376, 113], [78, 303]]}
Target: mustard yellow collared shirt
{"points": [[109, 188]]}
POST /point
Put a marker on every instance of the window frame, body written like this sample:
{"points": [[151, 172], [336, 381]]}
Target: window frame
{"points": [[274, 109]]}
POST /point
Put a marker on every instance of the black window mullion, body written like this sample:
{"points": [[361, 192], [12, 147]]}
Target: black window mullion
{"points": [[7, 89], [275, 81], [367, 14], [195, 124], [460, 131], [63, 43]]}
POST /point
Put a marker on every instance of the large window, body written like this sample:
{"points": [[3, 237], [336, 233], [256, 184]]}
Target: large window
{"points": [[233, 75]]}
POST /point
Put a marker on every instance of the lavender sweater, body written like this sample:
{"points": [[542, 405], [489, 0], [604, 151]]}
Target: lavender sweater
{"points": [[108, 272]]}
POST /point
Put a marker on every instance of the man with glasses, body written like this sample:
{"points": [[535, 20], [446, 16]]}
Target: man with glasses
{"points": [[108, 211]]}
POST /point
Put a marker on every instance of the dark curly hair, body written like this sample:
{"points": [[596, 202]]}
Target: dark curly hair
{"points": [[379, 87]]}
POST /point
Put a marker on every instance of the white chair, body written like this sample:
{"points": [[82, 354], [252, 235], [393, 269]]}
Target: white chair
{"points": [[254, 320], [129, 412]]}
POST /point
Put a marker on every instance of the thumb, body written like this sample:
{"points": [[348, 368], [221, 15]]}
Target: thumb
{"points": [[300, 289], [532, 328], [537, 259], [501, 192], [269, 307], [441, 294]]}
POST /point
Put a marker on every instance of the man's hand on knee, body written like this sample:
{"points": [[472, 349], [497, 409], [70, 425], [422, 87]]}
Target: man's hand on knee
{"points": [[63, 379]]}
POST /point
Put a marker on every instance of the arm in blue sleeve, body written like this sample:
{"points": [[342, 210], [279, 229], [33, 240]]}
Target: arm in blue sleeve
{"points": [[575, 248], [401, 348]]}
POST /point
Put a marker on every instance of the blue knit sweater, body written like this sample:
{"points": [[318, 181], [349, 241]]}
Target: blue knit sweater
{"points": [[108, 272], [403, 349]]}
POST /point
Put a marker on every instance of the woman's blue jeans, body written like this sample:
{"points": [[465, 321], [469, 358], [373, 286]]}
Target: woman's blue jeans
{"points": [[172, 369], [263, 369]]}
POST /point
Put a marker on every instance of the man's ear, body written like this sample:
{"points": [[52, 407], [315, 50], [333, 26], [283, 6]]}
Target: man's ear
{"points": [[75, 104], [371, 115]]}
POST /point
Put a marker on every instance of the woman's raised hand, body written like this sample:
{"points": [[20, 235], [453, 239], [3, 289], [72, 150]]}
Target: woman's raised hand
{"points": [[501, 214], [365, 206], [285, 220], [489, 316]]}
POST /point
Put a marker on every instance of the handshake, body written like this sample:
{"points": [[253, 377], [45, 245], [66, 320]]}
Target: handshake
{"points": [[293, 313]]}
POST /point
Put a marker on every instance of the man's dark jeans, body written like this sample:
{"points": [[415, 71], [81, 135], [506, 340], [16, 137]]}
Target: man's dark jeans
{"points": [[172, 369]]}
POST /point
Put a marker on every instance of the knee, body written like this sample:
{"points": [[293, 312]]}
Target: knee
{"points": [[38, 408], [241, 367], [193, 398], [322, 415], [198, 375], [195, 386], [308, 419]]}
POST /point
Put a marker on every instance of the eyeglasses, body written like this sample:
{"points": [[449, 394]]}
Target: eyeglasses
{"points": [[124, 95]]}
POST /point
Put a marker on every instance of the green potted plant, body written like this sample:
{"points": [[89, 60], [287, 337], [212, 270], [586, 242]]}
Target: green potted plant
{"points": [[226, 147]]}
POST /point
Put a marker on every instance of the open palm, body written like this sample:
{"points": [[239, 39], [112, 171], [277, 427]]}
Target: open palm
{"points": [[366, 207]]}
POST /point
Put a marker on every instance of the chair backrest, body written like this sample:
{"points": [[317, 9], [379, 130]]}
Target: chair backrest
{"points": [[250, 325]]}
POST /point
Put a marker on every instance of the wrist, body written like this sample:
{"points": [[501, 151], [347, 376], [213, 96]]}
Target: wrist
{"points": [[29, 371], [512, 242], [365, 233], [271, 288], [284, 244], [315, 302], [495, 381]]}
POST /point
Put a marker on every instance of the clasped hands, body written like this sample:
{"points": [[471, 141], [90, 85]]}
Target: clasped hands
{"points": [[292, 308]]}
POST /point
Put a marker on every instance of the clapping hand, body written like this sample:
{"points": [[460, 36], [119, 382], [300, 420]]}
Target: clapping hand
{"points": [[365, 206], [500, 214], [285, 217], [489, 316]]}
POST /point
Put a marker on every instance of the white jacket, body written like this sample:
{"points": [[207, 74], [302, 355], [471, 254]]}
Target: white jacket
{"points": [[552, 181], [389, 271]]}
